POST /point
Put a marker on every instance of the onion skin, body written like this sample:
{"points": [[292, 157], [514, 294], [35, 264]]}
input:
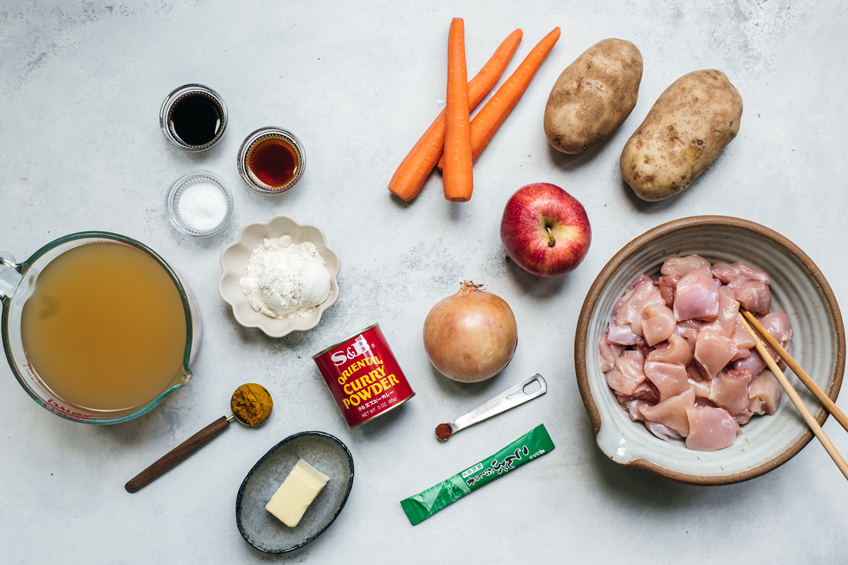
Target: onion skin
{"points": [[470, 336]]}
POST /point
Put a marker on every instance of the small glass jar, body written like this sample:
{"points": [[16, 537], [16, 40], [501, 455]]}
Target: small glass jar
{"points": [[200, 113], [193, 215], [271, 160]]}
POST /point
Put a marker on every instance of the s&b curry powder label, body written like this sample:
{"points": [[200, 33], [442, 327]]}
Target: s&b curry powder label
{"points": [[363, 376]]}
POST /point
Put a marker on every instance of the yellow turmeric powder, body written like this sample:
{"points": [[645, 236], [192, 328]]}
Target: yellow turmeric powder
{"points": [[251, 404]]}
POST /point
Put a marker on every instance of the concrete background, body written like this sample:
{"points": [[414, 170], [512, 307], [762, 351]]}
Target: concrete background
{"points": [[358, 82]]}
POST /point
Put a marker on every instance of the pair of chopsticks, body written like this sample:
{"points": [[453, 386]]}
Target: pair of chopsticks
{"points": [[790, 391]]}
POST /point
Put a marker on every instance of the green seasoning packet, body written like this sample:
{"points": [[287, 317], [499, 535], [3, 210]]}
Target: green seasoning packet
{"points": [[533, 444]]}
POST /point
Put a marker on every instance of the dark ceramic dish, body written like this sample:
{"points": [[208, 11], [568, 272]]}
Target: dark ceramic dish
{"points": [[258, 526]]}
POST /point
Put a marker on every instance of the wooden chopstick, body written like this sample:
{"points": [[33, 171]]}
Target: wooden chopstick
{"points": [[796, 400], [799, 372]]}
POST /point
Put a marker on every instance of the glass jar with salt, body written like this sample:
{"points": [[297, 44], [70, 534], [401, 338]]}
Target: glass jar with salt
{"points": [[199, 204]]}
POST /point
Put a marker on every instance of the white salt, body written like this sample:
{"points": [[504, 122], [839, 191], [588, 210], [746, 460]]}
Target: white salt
{"points": [[202, 206]]}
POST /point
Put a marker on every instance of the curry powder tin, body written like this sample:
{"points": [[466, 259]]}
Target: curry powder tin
{"points": [[363, 376]]}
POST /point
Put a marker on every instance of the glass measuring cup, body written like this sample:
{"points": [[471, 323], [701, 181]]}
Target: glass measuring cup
{"points": [[17, 283]]}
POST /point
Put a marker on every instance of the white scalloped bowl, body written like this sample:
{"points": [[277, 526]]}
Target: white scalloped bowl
{"points": [[798, 288], [234, 259]]}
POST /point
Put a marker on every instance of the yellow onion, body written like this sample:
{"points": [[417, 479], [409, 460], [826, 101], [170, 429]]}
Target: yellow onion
{"points": [[470, 336]]}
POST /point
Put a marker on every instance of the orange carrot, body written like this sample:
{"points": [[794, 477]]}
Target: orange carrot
{"points": [[416, 167], [457, 179], [491, 116]]}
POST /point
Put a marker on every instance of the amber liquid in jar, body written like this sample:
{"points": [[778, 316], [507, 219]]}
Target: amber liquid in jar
{"points": [[272, 162], [105, 327]]}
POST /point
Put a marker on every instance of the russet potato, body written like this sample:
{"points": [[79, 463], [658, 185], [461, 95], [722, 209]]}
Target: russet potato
{"points": [[688, 126], [593, 96]]}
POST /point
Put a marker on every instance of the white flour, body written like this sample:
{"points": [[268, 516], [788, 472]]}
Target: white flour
{"points": [[286, 280]]}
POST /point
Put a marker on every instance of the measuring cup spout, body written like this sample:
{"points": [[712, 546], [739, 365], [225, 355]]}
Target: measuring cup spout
{"points": [[10, 275], [183, 377]]}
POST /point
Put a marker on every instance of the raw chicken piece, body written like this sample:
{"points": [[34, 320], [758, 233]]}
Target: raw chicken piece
{"points": [[751, 273], [726, 273], [710, 429], [669, 378], [628, 373], [753, 296], [743, 340], [646, 391], [676, 350], [609, 353], [667, 284], [622, 335], [764, 394], [658, 324], [702, 388], [618, 304], [663, 432], [743, 417], [689, 331], [695, 373], [752, 362], [696, 296], [632, 311], [740, 353], [632, 407], [672, 412], [634, 285], [622, 383], [682, 266], [748, 285], [728, 308], [729, 390], [713, 352], [777, 324]]}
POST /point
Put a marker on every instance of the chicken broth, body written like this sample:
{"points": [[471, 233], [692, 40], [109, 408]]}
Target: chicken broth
{"points": [[105, 327]]}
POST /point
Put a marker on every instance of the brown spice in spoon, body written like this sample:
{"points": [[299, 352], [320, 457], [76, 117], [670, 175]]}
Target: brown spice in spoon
{"points": [[251, 404], [443, 432]]}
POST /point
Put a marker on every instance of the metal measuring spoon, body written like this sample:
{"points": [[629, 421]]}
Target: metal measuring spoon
{"points": [[501, 403], [192, 444]]}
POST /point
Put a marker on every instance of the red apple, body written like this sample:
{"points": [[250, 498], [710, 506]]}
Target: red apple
{"points": [[545, 230]]}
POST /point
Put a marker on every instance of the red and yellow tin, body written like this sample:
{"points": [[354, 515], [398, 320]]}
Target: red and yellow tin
{"points": [[363, 376]]}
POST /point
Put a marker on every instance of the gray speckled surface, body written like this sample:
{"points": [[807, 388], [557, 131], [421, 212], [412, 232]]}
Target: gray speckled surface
{"points": [[358, 82]]}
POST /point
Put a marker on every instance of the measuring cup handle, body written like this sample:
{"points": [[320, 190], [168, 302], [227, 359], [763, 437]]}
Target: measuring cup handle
{"points": [[10, 275], [177, 455]]}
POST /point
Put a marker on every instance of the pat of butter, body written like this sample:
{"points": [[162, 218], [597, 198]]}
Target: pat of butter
{"points": [[296, 493]]}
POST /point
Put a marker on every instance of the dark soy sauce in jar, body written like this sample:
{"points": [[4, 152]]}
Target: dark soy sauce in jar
{"points": [[195, 119], [272, 162]]}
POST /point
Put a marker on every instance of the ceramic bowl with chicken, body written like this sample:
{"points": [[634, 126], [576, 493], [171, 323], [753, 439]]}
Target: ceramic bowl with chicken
{"points": [[796, 288]]}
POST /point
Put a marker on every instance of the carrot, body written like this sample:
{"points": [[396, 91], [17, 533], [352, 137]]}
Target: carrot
{"points": [[457, 179], [491, 116], [416, 167]]}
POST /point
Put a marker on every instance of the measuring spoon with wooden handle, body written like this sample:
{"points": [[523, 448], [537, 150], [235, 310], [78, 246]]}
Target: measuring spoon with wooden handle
{"points": [[192, 444]]}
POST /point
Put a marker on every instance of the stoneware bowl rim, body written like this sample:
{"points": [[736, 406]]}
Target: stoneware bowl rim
{"points": [[658, 233]]}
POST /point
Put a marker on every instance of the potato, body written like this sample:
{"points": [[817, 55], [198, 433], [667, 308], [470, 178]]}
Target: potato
{"points": [[593, 96], [689, 125]]}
